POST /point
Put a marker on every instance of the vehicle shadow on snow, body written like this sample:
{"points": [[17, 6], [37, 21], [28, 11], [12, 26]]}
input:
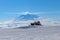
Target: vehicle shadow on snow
{"points": [[25, 27]]}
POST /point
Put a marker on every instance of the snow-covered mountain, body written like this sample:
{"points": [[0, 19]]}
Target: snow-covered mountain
{"points": [[25, 20], [27, 17], [22, 20]]}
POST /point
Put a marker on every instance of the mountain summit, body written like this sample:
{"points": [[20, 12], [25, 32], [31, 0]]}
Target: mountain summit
{"points": [[27, 17]]}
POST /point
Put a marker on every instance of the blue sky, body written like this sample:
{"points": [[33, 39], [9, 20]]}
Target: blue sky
{"points": [[9, 9]]}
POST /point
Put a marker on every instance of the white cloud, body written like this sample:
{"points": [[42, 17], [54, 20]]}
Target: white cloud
{"points": [[44, 21], [7, 22], [27, 12]]}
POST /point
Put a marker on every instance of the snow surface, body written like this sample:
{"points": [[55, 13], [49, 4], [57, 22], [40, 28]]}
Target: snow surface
{"points": [[34, 33]]}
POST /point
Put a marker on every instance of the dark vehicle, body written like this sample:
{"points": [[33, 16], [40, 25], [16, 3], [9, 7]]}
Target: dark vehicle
{"points": [[36, 23]]}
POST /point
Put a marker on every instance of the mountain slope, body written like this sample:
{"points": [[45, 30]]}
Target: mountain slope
{"points": [[27, 17]]}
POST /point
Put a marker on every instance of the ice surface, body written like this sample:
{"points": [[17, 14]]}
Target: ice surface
{"points": [[37, 33]]}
